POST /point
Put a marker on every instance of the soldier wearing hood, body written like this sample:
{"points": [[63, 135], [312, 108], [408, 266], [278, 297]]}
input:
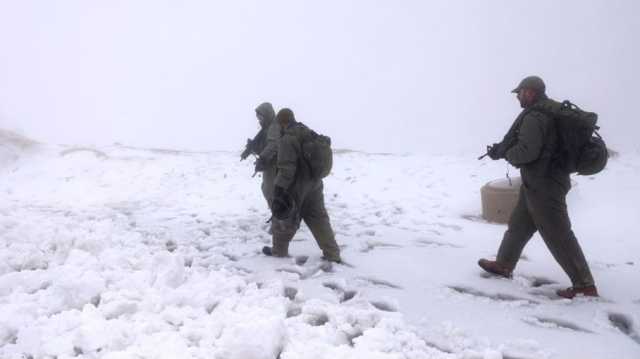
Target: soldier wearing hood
{"points": [[265, 146]]}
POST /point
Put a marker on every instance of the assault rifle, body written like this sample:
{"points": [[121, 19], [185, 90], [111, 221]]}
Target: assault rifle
{"points": [[252, 143], [499, 150]]}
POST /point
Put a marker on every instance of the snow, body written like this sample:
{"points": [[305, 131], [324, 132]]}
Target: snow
{"points": [[122, 252]]}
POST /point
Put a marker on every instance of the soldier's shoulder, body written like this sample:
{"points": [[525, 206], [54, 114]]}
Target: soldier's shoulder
{"points": [[296, 130], [543, 111], [537, 115], [546, 108]]}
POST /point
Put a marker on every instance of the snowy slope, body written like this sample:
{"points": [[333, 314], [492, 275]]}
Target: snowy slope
{"points": [[12, 146], [138, 253]]}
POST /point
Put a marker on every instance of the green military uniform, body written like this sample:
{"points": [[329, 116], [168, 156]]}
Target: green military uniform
{"points": [[268, 149], [294, 176], [542, 204]]}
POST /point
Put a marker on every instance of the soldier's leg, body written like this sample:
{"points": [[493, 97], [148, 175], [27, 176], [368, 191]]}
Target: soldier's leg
{"points": [[549, 212], [521, 229], [283, 232], [316, 217]]}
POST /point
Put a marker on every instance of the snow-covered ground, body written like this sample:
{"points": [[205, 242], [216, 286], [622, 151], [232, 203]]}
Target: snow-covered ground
{"points": [[129, 253]]}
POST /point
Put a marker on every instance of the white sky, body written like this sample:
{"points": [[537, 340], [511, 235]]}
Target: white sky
{"points": [[398, 76]]}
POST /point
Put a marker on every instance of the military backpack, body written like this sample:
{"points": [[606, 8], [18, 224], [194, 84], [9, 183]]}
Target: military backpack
{"points": [[316, 152], [580, 149]]}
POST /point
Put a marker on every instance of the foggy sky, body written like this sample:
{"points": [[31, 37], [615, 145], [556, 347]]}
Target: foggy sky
{"points": [[385, 76]]}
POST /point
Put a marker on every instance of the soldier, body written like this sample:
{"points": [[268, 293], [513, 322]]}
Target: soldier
{"points": [[542, 203], [297, 195], [265, 146]]}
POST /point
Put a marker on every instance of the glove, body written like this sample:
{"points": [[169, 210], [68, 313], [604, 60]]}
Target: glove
{"points": [[495, 151], [282, 203], [260, 165]]}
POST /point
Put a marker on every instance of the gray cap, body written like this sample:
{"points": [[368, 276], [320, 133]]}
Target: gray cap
{"points": [[531, 82]]}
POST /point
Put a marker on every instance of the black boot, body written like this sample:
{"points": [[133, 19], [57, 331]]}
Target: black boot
{"points": [[279, 252], [266, 250]]}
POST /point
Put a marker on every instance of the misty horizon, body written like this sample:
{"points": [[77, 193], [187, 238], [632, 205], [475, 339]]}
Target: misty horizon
{"points": [[380, 77]]}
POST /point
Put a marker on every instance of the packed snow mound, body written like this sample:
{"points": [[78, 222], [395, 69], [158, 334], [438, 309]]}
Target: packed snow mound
{"points": [[12, 146], [9, 138]]}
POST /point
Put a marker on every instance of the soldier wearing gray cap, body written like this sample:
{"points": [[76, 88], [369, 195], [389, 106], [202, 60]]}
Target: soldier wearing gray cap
{"points": [[531, 82], [530, 146]]}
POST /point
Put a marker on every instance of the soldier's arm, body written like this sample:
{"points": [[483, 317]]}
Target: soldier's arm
{"points": [[530, 140], [273, 137], [287, 161]]}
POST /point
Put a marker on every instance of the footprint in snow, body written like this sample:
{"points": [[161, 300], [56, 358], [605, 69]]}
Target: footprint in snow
{"points": [[379, 282], [545, 322], [537, 282], [351, 337], [301, 260], [348, 295], [291, 271], [530, 281], [323, 267], [432, 243], [343, 295], [384, 306], [211, 307], [435, 232], [487, 275], [171, 246], [454, 227], [290, 292], [474, 218], [318, 320], [241, 270], [539, 286], [333, 286], [368, 232], [294, 311], [11, 337], [499, 297], [624, 323], [368, 246]]}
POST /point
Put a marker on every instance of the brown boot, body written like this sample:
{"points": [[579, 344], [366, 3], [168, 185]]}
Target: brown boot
{"points": [[494, 267], [571, 292]]}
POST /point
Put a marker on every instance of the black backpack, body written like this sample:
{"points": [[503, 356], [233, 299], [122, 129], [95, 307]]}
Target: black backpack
{"points": [[580, 147], [317, 153]]}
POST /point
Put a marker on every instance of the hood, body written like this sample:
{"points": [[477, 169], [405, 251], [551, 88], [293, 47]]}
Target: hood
{"points": [[266, 110]]}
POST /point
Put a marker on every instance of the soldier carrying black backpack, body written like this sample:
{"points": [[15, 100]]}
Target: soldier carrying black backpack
{"points": [[547, 142], [304, 159]]}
